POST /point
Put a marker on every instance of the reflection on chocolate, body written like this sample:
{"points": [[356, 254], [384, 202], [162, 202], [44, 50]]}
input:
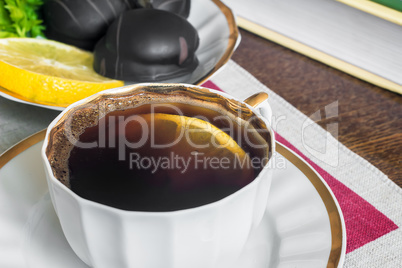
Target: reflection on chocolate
{"points": [[179, 7], [80, 23], [146, 45]]}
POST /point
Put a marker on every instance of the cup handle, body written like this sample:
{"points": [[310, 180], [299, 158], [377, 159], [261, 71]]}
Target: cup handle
{"points": [[259, 102]]}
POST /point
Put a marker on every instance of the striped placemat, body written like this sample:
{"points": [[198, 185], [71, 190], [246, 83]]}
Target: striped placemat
{"points": [[371, 203]]}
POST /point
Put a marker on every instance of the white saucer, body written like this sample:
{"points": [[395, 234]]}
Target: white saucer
{"points": [[219, 37], [303, 218]]}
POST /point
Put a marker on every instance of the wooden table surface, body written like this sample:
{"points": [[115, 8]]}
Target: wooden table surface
{"points": [[369, 118]]}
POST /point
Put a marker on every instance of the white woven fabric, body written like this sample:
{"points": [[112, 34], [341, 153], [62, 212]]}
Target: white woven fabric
{"points": [[346, 166]]}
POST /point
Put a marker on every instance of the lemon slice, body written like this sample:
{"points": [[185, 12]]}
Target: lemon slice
{"points": [[201, 151], [49, 72]]}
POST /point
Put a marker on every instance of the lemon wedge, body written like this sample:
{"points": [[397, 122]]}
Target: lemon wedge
{"points": [[210, 155], [49, 72]]}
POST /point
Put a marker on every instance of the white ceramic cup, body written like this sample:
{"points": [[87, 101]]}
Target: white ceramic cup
{"points": [[211, 235]]}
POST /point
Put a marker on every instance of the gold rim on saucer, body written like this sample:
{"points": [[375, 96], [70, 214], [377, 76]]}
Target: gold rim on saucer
{"points": [[233, 37], [334, 215]]}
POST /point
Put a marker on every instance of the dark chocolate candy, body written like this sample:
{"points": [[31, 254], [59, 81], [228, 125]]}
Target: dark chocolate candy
{"points": [[87, 44], [146, 45], [179, 7], [80, 22]]}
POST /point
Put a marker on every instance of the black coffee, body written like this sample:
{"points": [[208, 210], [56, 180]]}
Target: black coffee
{"points": [[125, 169]]}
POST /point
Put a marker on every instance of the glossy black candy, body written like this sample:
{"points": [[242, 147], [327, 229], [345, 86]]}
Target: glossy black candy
{"points": [[80, 22], [147, 45], [179, 7]]}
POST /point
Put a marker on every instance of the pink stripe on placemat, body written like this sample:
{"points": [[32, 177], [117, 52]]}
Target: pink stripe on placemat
{"points": [[211, 85], [364, 223]]}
